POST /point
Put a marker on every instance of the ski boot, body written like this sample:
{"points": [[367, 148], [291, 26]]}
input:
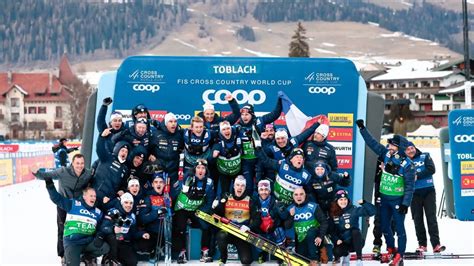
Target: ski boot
{"points": [[421, 249], [205, 256], [438, 249], [182, 257], [387, 257], [376, 251], [397, 260]]}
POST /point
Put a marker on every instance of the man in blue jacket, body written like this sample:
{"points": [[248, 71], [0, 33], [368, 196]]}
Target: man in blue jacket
{"points": [[396, 188]]}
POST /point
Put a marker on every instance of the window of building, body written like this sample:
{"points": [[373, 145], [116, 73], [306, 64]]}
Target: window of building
{"points": [[59, 112], [32, 110], [58, 125], [15, 117], [15, 102], [42, 110]]}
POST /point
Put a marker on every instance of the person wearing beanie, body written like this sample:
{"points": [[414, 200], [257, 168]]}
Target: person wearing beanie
{"points": [[169, 144], [237, 207], [268, 134], [318, 148], [310, 225], [212, 119], [136, 136], [282, 146], [344, 225], [150, 217], [267, 222], [291, 173], [424, 199], [121, 223], [396, 188], [61, 157], [196, 192], [110, 170], [324, 183], [84, 227], [249, 123], [113, 126], [226, 152]]}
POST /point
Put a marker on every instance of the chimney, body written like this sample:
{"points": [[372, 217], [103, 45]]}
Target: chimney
{"points": [[9, 75]]}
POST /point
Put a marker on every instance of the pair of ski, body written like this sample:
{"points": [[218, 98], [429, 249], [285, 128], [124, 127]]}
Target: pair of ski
{"points": [[165, 229], [385, 257], [252, 238]]}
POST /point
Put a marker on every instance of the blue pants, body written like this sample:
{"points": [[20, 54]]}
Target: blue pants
{"points": [[388, 211], [251, 172]]}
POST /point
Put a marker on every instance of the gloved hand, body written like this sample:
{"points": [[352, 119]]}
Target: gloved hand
{"points": [[75, 148], [186, 185], [392, 168], [361, 201], [257, 144], [346, 175], [162, 211], [360, 123], [114, 214], [403, 209], [244, 228], [107, 101], [48, 181], [266, 224], [98, 241]]}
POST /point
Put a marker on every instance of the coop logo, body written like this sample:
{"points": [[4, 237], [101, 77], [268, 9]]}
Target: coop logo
{"points": [[464, 138], [293, 179], [254, 97], [86, 212], [183, 117], [322, 90], [146, 87], [303, 216]]}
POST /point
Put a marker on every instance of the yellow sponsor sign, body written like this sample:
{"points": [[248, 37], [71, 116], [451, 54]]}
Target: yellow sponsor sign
{"points": [[6, 172], [467, 167], [341, 119]]}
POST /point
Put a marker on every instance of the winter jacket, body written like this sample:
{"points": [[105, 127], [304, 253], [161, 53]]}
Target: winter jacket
{"points": [[231, 118], [127, 222], [148, 216], [425, 169], [229, 161], [271, 211], [307, 215], [70, 185], [168, 147], [102, 125], [320, 151], [199, 196], [341, 226], [237, 209]]}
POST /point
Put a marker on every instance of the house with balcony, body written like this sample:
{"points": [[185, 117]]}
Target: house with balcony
{"points": [[429, 93], [36, 105]]}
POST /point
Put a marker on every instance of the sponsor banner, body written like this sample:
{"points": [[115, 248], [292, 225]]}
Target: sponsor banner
{"points": [[344, 162], [467, 181], [6, 172], [9, 147], [158, 115], [342, 148], [467, 167], [461, 144], [23, 165], [340, 134], [341, 120]]}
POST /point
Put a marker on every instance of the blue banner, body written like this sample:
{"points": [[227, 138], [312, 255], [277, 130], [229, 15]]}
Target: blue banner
{"points": [[182, 85], [461, 139]]}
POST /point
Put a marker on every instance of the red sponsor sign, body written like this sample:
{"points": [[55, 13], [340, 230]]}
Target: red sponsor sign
{"points": [[344, 162], [9, 147], [339, 133], [467, 181], [225, 113], [158, 115], [23, 165]]}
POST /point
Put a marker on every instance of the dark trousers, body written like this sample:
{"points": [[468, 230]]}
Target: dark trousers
{"points": [[126, 254], [60, 219], [389, 211], [244, 249], [72, 253], [352, 244], [181, 218], [149, 245], [425, 202], [308, 248], [224, 184], [377, 231]]}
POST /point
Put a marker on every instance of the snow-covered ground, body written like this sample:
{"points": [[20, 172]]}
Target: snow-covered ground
{"points": [[28, 227]]}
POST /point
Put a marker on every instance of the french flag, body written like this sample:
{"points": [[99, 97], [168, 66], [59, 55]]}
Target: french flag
{"points": [[297, 121]]}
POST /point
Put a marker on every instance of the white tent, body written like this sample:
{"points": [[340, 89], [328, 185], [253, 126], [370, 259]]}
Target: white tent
{"points": [[424, 131]]}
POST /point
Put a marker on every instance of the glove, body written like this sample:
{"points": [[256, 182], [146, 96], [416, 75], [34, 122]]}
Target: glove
{"points": [[215, 203], [360, 123], [48, 181], [162, 211], [361, 201], [114, 214], [258, 144], [107, 101], [98, 241], [346, 175], [75, 148], [403, 209], [244, 228], [266, 224]]}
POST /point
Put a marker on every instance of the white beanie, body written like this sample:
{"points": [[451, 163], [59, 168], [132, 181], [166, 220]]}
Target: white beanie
{"points": [[240, 179], [323, 129], [281, 133], [264, 184], [208, 106], [168, 117], [224, 125], [116, 114], [126, 197], [133, 181]]}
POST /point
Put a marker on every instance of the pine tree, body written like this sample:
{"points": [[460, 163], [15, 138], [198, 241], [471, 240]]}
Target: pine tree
{"points": [[298, 46]]}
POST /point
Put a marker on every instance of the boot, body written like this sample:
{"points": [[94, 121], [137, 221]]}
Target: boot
{"points": [[182, 257], [397, 260], [205, 256]]}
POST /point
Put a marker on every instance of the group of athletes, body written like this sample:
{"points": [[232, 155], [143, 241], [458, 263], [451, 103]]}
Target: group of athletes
{"points": [[285, 188]]}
